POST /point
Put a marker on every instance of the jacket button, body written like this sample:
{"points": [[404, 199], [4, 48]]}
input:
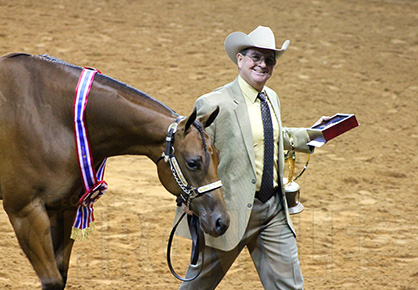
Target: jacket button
{"points": [[253, 181], [249, 205]]}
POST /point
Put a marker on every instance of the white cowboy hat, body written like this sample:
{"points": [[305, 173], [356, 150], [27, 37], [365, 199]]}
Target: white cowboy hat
{"points": [[261, 37]]}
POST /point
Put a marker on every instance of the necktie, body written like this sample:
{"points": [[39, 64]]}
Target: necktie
{"points": [[267, 190]]}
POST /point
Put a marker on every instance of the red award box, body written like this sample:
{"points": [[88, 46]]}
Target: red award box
{"points": [[335, 126]]}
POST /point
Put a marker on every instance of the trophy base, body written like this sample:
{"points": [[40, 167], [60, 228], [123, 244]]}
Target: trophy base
{"points": [[296, 209], [292, 197]]}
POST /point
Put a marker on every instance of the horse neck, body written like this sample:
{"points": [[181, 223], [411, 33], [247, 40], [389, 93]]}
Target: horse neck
{"points": [[121, 120]]}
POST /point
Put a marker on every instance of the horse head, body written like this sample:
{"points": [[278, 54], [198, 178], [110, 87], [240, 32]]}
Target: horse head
{"points": [[195, 158]]}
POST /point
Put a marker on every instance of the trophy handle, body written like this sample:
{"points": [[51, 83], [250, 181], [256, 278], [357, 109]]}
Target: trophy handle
{"points": [[290, 160], [304, 167]]}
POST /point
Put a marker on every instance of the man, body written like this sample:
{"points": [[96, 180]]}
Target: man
{"points": [[251, 169]]}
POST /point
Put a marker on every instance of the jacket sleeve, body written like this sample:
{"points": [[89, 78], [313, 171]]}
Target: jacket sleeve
{"points": [[299, 138]]}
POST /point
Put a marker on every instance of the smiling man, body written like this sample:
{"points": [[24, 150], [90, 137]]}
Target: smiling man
{"points": [[256, 66], [250, 138]]}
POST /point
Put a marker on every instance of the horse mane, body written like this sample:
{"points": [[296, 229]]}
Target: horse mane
{"points": [[123, 86], [47, 57]]}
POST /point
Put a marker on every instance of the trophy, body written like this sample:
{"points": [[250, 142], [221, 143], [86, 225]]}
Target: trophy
{"points": [[292, 189], [319, 135]]}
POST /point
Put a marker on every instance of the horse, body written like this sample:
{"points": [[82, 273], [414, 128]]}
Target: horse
{"points": [[40, 182]]}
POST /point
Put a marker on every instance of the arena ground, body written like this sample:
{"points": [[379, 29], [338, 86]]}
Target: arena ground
{"points": [[359, 228]]}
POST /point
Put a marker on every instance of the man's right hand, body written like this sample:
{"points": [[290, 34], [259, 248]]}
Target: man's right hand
{"points": [[186, 209]]}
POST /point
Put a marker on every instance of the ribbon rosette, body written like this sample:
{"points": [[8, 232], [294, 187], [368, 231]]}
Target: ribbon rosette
{"points": [[84, 219]]}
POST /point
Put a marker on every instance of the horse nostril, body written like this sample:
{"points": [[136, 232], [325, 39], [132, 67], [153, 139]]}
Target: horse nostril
{"points": [[220, 226]]}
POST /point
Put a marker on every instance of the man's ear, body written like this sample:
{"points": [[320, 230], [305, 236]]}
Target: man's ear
{"points": [[240, 57]]}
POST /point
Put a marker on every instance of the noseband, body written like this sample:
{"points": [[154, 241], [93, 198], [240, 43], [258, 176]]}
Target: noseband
{"points": [[189, 192]]}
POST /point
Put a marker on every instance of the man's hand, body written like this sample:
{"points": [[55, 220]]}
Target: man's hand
{"points": [[186, 209], [321, 120]]}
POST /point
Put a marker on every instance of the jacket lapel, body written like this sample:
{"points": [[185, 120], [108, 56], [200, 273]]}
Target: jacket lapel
{"points": [[243, 120]]}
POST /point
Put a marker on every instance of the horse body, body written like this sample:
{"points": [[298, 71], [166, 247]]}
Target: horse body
{"points": [[40, 181]]}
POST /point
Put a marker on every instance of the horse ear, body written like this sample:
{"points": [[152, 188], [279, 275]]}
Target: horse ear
{"points": [[190, 120], [208, 119]]}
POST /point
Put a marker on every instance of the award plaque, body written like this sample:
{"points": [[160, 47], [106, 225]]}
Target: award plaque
{"points": [[335, 126]]}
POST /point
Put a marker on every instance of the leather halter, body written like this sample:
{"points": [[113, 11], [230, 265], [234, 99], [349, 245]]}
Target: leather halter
{"points": [[189, 193]]}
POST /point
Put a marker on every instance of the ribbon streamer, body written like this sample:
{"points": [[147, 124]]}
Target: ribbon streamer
{"points": [[94, 185]]}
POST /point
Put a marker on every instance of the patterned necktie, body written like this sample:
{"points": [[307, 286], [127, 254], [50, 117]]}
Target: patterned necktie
{"points": [[267, 190]]}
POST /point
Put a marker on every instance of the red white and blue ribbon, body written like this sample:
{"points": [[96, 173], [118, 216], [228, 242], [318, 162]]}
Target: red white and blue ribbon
{"points": [[94, 185]]}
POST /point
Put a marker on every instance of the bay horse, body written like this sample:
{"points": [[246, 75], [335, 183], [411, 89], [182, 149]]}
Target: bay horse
{"points": [[40, 182]]}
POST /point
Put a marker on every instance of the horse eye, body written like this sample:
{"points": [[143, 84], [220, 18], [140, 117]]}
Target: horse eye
{"points": [[193, 164]]}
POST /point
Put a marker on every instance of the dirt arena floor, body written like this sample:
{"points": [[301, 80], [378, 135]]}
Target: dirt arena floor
{"points": [[359, 229]]}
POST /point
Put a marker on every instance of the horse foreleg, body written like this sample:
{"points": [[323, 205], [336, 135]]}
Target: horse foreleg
{"points": [[33, 230], [61, 225]]}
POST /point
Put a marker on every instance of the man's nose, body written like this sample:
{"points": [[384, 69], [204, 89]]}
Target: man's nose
{"points": [[262, 62]]}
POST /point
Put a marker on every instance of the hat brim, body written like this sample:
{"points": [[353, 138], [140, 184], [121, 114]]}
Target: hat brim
{"points": [[237, 41]]}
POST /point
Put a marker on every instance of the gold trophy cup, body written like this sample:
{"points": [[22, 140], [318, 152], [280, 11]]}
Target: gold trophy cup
{"points": [[292, 189]]}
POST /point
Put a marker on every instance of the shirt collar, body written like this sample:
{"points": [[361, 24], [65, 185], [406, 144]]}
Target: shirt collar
{"points": [[249, 92]]}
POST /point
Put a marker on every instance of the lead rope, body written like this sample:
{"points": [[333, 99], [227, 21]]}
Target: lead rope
{"points": [[198, 245]]}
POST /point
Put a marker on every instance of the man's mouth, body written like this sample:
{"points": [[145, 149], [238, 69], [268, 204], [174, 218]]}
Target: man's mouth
{"points": [[260, 72]]}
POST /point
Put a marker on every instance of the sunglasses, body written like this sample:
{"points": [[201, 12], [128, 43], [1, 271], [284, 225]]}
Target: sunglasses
{"points": [[258, 58]]}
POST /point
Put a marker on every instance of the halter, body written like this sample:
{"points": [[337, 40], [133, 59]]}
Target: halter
{"points": [[189, 192]]}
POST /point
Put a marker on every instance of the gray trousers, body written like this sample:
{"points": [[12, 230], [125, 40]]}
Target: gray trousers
{"points": [[272, 247]]}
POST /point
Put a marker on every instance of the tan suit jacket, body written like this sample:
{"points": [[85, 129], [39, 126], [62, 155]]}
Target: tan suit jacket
{"points": [[232, 135]]}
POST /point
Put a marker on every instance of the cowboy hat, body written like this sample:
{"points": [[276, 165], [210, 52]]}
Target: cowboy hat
{"points": [[261, 37]]}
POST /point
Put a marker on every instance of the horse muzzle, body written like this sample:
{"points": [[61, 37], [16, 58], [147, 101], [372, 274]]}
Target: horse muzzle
{"points": [[214, 223]]}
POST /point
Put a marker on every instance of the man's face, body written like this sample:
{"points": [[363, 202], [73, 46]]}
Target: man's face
{"points": [[256, 66]]}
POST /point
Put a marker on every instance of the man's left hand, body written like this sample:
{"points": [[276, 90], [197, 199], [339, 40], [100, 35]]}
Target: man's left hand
{"points": [[186, 209]]}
